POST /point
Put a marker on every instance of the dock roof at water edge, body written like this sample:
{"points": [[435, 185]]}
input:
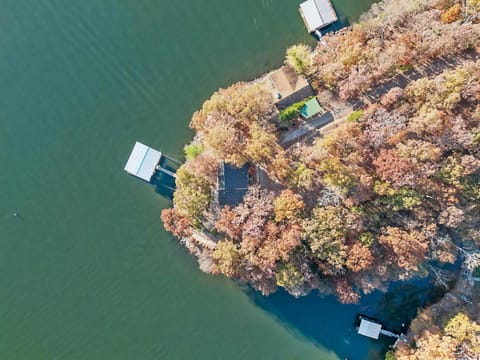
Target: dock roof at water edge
{"points": [[317, 14], [369, 328], [143, 161]]}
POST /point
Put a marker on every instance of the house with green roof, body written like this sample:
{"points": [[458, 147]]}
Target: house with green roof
{"points": [[311, 108]]}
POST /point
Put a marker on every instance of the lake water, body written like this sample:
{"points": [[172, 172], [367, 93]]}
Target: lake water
{"points": [[87, 270]]}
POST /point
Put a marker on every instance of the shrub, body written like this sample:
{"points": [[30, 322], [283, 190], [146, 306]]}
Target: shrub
{"points": [[366, 239], [299, 57], [292, 111], [406, 67], [193, 150], [289, 113], [452, 14], [390, 355], [354, 116]]}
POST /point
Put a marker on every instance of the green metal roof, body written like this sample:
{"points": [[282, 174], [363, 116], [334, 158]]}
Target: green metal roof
{"points": [[311, 108]]}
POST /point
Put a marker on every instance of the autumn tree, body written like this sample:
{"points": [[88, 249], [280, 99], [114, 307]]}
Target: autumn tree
{"points": [[419, 151], [380, 126], [288, 206], [466, 335], [289, 277], [395, 169], [444, 92], [345, 141], [359, 257], [204, 165], [391, 98], [452, 216], [457, 341], [227, 259], [192, 194], [399, 199], [254, 214], [261, 144], [180, 226], [409, 247], [299, 57], [227, 119], [326, 234], [227, 142], [433, 347], [335, 174], [229, 223], [301, 176], [345, 292], [290, 238], [452, 13]]}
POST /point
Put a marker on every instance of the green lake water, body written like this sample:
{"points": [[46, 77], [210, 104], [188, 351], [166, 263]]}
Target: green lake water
{"points": [[87, 271]]}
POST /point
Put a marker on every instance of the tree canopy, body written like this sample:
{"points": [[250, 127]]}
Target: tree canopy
{"points": [[379, 194]]}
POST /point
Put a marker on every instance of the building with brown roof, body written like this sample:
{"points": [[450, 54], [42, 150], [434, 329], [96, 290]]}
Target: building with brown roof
{"points": [[288, 87]]}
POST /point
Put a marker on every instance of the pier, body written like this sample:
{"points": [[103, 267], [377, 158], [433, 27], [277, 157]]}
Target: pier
{"points": [[373, 329]]}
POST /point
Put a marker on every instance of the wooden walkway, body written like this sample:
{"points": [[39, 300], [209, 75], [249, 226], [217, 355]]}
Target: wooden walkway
{"points": [[202, 239]]}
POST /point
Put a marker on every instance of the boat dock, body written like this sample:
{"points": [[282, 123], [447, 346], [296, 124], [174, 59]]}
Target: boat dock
{"points": [[373, 329], [144, 162], [317, 14]]}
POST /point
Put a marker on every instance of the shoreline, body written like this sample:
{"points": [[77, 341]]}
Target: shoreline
{"points": [[337, 181]]}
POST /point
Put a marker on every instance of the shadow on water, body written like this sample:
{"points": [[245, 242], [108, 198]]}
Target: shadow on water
{"points": [[165, 184], [342, 22], [401, 304], [326, 322]]}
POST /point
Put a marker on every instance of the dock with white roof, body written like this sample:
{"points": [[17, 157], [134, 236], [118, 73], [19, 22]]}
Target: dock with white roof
{"points": [[373, 329], [317, 14], [144, 162]]}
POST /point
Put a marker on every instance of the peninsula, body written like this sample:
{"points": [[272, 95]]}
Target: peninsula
{"points": [[355, 164]]}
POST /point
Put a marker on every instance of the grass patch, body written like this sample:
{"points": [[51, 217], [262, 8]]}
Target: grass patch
{"points": [[354, 116]]}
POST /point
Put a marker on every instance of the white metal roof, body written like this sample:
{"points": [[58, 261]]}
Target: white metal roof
{"points": [[369, 328], [317, 14], [143, 161], [326, 11]]}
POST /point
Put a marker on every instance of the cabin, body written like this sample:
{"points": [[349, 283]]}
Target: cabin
{"points": [[288, 87], [317, 14], [232, 184]]}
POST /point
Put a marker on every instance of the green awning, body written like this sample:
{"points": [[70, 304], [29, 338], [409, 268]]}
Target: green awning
{"points": [[311, 108]]}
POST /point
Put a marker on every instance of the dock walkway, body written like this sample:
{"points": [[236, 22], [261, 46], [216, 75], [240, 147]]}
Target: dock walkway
{"points": [[202, 239]]}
